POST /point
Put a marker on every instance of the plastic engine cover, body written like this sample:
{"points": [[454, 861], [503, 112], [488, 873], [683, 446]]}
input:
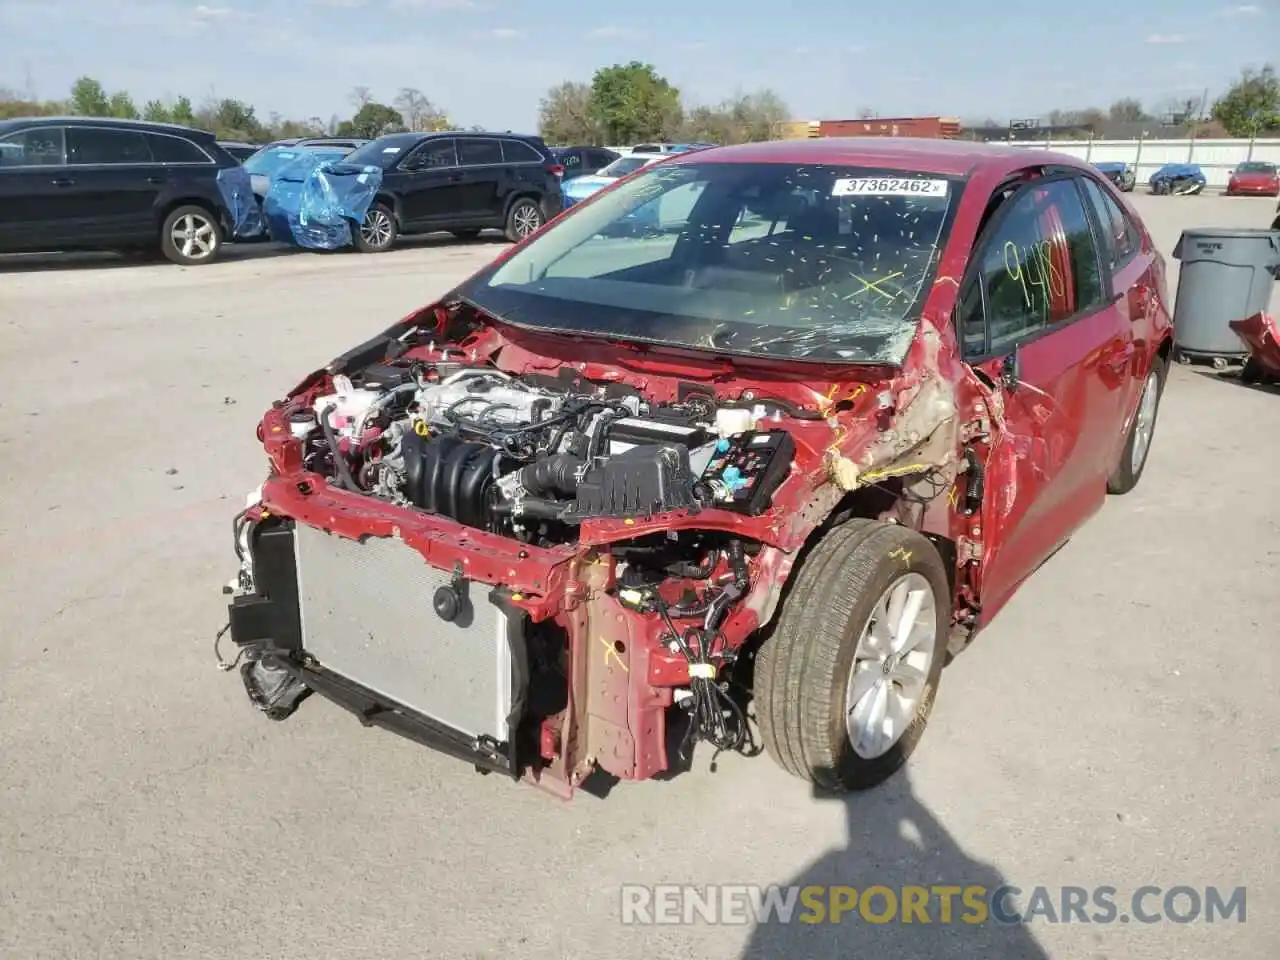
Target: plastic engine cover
{"points": [[639, 482]]}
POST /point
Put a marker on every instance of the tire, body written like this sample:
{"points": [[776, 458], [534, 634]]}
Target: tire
{"points": [[524, 217], [191, 236], [467, 233], [378, 232], [1128, 472], [804, 670], [1252, 372]]}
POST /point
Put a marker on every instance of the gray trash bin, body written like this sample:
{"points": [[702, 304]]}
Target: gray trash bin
{"points": [[1227, 274]]}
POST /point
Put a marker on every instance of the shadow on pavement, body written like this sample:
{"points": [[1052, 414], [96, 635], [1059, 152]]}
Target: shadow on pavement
{"points": [[895, 843]]}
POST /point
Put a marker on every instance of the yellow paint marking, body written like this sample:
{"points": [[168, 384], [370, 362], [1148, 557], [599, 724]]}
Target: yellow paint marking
{"points": [[612, 653], [902, 552]]}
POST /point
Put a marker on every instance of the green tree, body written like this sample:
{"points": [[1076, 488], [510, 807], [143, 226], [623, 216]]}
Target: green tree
{"points": [[88, 99], [182, 112], [156, 111], [371, 121], [1251, 107], [121, 106], [233, 119], [633, 102]]}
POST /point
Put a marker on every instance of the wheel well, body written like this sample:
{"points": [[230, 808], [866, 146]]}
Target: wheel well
{"points": [[880, 502], [200, 202], [390, 202], [517, 197], [1165, 350]]}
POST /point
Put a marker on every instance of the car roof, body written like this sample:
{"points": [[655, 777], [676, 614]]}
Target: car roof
{"points": [[943, 157], [140, 125]]}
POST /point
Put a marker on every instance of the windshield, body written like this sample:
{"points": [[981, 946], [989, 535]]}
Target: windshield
{"points": [[625, 165], [1256, 166], [799, 261]]}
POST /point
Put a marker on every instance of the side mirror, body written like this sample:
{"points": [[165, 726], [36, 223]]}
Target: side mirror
{"points": [[1011, 370]]}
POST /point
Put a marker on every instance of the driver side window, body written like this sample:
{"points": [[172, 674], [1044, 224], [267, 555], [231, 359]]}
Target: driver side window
{"points": [[1040, 268]]}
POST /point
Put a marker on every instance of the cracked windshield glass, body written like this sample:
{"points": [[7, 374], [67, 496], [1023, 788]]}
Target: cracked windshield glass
{"points": [[801, 261]]}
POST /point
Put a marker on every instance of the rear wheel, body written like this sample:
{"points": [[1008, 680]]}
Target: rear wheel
{"points": [[1141, 432], [524, 217], [191, 236], [845, 684], [377, 232]]}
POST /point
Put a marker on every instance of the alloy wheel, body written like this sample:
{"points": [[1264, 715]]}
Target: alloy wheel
{"points": [[194, 236], [526, 220], [376, 228], [891, 666], [1145, 421]]}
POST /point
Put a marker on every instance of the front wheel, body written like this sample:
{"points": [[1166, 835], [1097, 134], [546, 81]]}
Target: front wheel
{"points": [[377, 231], [524, 217], [191, 236], [1138, 445], [845, 684]]}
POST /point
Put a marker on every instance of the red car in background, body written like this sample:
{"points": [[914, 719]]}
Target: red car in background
{"points": [[805, 437], [1254, 178]]}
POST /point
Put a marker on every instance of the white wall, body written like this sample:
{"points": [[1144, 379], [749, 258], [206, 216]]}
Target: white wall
{"points": [[1217, 158]]}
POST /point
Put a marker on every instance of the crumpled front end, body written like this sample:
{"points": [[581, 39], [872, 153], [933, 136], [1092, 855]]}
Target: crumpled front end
{"points": [[527, 562]]}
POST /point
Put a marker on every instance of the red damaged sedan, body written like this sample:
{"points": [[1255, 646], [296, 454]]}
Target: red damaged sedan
{"points": [[756, 437], [1254, 179]]}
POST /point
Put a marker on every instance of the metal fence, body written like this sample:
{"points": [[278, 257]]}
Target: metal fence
{"points": [[1217, 158]]}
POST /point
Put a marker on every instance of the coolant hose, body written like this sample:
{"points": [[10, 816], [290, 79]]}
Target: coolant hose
{"points": [[339, 459]]}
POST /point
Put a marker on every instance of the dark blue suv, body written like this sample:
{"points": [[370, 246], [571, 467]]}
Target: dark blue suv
{"points": [[90, 183]]}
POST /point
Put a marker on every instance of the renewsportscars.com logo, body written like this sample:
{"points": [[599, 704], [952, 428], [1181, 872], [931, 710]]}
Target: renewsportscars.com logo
{"points": [[934, 904]]}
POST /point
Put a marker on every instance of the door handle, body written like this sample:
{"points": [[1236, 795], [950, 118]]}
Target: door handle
{"points": [[63, 182], [155, 179]]}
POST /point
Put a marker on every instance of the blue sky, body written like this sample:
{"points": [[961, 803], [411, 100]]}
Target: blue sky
{"points": [[488, 61]]}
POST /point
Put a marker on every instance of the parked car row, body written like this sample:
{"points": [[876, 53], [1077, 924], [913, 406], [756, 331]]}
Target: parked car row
{"points": [[1253, 178], [78, 183]]}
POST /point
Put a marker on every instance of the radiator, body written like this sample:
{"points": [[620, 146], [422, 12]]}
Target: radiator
{"points": [[367, 616]]}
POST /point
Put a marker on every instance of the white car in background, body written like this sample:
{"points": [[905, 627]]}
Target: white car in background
{"points": [[579, 188]]}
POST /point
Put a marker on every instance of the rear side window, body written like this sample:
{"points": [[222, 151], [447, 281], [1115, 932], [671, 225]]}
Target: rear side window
{"points": [[601, 158], [37, 147], [97, 145], [479, 152], [166, 149], [1123, 239], [571, 160], [1039, 269], [517, 151]]}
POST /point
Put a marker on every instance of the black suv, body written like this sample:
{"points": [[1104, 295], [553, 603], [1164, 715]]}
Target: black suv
{"points": [[583, 161], [459, 182], [88, 183]]}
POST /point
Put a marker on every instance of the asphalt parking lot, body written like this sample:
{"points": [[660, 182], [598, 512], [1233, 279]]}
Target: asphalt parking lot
{"points": [[1116, 727]]}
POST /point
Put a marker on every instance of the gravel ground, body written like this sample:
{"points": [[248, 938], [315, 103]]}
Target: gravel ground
{"points": [[1097, 734]]}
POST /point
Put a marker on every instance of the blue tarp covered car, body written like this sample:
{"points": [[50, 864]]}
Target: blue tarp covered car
{"points": [[1118, 172], [314, 203], [1180, 179], [243, 210]]}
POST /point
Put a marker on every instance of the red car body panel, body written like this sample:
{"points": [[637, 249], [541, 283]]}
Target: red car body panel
{"points": [[1262, 337], [1047, 448]]}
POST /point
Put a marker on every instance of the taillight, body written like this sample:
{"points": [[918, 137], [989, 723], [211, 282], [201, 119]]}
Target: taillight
{"points": [[555, 168]]}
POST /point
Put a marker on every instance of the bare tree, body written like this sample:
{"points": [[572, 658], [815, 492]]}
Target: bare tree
{"points": [[420, 114], [866, 113], [564, 116], [361, 96]]}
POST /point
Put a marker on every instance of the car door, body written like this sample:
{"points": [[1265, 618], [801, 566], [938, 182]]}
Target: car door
{"points": [[115, 182], [1040, 328], [1137, 290], [36, 211], [484, 181], [426, 182]]}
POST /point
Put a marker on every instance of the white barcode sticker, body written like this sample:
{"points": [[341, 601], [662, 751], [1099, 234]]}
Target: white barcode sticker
{"points": [[889, 187]]}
